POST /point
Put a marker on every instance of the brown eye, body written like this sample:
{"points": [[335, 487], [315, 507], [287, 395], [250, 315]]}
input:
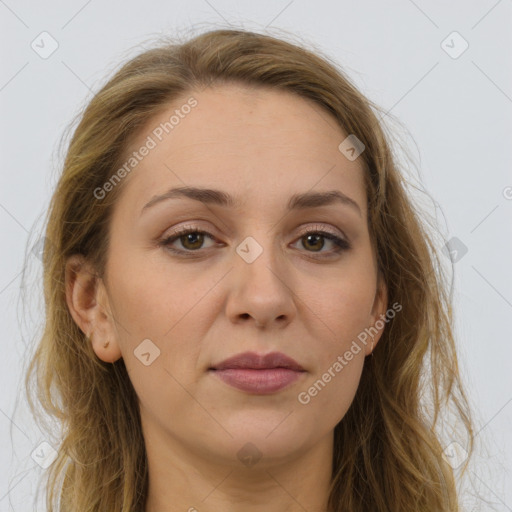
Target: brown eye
{"points": [[191, 240], [195, 239], [313, 240]]}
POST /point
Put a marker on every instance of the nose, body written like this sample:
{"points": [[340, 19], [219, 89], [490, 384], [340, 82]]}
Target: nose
{"points": [[261, 290]]}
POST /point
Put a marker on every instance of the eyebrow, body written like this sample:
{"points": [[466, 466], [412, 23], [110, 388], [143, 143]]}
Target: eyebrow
{"points": [[218, 197]]}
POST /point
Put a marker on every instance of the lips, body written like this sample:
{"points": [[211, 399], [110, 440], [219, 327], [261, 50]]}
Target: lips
{"points": [[251, 360], [257, 374]]}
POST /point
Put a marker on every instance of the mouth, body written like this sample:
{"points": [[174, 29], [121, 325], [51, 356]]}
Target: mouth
{"points": [[258, 374]]}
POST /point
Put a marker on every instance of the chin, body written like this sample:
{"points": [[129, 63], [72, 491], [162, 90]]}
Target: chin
{"points": [[264, 443]]}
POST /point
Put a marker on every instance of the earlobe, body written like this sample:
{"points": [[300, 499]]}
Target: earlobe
{"points": [[104, 349], [84, 297]]}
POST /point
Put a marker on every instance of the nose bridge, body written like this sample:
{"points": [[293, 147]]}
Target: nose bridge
{"points": [[259, 256], [260, 279]]}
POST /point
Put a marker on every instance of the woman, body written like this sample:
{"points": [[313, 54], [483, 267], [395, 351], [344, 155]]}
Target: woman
{"points": [[244, 311]]}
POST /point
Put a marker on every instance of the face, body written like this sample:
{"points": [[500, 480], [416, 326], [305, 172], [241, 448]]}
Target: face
{"points": [[251, 276]]}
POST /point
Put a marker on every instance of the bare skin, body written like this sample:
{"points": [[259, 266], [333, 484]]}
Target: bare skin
{"points": [[299, 297]]}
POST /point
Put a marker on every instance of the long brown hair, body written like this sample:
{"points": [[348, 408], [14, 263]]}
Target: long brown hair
{"points": [[388, 452]]}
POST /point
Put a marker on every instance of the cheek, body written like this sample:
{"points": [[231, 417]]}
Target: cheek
{"points": [[326, 397], [331, 391], [150, 307], [148, 298], [150, 302], [344, 306]]}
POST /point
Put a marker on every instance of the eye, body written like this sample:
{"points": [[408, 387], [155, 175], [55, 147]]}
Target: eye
{"points": [[316, 240], [192, 240]]}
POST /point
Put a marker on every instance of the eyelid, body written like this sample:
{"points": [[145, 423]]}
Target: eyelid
{"points": [[321, 227]]}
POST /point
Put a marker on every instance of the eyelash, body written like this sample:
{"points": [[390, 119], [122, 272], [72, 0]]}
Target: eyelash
{"points": [[341, 244]]}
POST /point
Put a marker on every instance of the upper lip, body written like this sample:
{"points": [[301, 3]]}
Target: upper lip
{"points": [[251, 360]]}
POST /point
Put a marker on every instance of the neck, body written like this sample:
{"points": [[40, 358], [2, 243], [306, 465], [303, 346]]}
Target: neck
{"points": [[186, 481]]}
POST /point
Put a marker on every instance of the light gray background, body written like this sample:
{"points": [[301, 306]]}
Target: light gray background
{"points": [[457, 112]]}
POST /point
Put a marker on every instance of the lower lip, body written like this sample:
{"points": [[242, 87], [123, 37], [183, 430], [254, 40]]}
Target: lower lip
{"points": [[258, 381]]}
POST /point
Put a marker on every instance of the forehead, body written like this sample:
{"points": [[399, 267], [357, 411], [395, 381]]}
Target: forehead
{"points": [[256, 144]]}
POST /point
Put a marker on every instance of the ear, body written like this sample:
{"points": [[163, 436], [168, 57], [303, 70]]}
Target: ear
{"points": [[378, 314], [87, 300]]}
